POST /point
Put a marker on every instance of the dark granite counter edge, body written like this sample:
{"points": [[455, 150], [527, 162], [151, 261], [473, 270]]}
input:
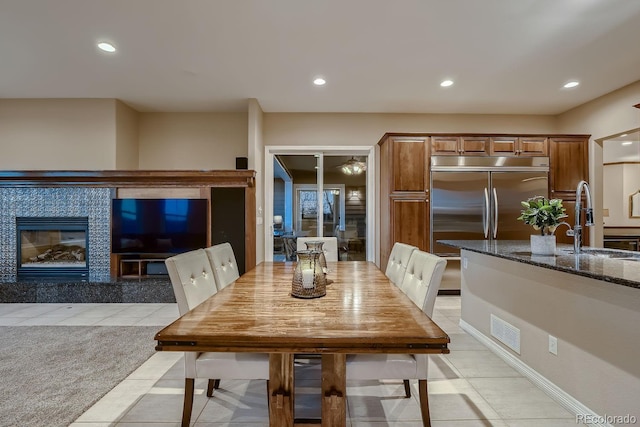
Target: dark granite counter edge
{"points": [[564, 266], [154, 290]]}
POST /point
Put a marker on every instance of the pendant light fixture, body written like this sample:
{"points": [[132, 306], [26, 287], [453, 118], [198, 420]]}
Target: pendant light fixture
{"points": [[353, 167]]}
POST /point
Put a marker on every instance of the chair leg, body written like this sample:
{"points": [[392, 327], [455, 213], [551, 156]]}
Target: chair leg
{"points": [[211, 385], [268, 397], [424, 403], [188, 401], [407, 388]]}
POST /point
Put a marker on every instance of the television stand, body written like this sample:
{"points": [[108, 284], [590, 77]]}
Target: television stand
{"points": [[140, 266]]}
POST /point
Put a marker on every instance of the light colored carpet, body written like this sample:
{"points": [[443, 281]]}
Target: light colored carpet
{"points": [[50, 375]]}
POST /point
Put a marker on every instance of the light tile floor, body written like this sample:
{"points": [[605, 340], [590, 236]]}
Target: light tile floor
{"points": [[470, 387]]}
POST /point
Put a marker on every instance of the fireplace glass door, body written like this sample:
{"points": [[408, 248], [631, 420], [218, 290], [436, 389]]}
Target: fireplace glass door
{"points": [[52, 247]]}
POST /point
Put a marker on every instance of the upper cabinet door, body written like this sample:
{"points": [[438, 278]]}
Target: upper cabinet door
{"points": [[474, 145], [459, 145], [445, 146], [533, 146], [410, 167], [569, 165], [519, 146], [504, 145]]}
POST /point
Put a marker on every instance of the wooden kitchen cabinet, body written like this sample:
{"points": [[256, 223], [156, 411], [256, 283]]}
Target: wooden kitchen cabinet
{"points": [[519, 146], [410, 221], [569, 164], [405, 179], [459, 145], [474, 145], [404, 192], [409, 171]]}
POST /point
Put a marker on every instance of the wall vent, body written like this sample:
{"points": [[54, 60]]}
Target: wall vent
{"points": [[506, 333]]}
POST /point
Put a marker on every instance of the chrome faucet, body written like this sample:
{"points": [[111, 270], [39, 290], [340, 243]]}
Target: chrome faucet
{"points": [[576, 232]]}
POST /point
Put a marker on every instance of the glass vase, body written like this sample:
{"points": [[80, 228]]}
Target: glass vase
{"points": [[316, 245], [308, 277]]}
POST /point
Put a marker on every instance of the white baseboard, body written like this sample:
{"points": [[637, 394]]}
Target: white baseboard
{"points": [[563, 398]]}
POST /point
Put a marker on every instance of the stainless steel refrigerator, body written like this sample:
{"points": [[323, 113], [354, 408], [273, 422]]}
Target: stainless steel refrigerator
{"points": [[478, 198]]}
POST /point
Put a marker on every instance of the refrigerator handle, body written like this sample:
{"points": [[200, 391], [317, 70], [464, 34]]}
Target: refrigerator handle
{"points": [[485, 217], [495, 213]]}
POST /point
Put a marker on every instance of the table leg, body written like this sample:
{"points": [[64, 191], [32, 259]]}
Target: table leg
{"points": [[334, 390], [281, 396]]}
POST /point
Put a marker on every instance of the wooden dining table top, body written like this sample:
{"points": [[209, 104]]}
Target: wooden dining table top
{"points": [[362, 312]]}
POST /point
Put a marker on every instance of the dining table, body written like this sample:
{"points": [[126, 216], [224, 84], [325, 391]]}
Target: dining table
{"points": [[362, 312]]}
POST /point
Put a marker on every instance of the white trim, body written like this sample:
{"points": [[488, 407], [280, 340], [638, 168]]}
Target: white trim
{"points": [[358, 150], [372, 197], [556, 393]]}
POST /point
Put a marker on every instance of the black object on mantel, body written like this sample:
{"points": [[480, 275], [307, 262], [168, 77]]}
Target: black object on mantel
{"points": [[242, 163]]}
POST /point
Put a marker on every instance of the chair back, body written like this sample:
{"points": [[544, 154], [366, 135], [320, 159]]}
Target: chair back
{"points": [[398, 261], [422, 279], [330, 246], [223, 264], [192, 278]]}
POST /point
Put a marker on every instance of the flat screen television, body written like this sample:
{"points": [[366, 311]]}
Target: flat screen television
{"points": [[158, 226]]}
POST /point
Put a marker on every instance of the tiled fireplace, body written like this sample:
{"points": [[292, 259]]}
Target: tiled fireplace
{"points": [[79, 218], [50, 199]]}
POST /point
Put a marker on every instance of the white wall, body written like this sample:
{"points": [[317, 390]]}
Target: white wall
{"points": [[126, 137], [620, 181], [608, 115], [322, 129], [57, 134], [192, 140]]}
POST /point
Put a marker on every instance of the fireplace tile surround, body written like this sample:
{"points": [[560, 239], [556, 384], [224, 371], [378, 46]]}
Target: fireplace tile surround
{"points": [[93, 203], [90, 202]]}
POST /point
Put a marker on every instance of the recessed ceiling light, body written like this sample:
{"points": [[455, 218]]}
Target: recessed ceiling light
{"points": [[623, 135], [446, 83], [319, 81], [571, 84], [107, 47], [627, 142]]}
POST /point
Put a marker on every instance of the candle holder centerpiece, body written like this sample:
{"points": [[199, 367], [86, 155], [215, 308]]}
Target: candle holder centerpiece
{"points": [[317, 246], [308, 277]]}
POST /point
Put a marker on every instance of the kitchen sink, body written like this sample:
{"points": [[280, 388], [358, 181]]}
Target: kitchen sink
{"points": [[609, 253]]}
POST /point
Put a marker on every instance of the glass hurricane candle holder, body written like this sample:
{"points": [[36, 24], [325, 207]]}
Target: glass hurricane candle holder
{"points": [[316, 245], [308, 277]]}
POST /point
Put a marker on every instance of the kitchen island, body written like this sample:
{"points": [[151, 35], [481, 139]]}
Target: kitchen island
{"points": [[585, 308]]}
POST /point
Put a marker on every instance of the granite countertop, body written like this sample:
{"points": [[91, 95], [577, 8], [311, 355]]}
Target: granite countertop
{"points": [[596, 265]]}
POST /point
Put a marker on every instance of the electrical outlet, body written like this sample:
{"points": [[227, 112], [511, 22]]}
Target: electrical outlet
{"points": [[465, 262], [553, 345]]}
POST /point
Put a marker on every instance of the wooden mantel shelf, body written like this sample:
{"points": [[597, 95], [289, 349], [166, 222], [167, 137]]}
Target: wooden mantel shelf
{"points": [[130, 178]]}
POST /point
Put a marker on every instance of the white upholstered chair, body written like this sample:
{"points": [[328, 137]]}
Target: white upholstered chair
{"points": [[398, 261], [193, 282], [330, 246], [421, 283], [223, 263]]}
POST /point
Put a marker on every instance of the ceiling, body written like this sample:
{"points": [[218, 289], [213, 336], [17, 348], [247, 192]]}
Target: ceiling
{"points": [[505, 56]]}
